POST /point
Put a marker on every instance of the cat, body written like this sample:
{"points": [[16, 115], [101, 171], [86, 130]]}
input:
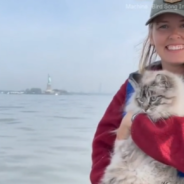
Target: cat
{"points": [[159, 94]]}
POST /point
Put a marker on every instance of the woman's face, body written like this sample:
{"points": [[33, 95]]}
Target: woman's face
{"points": [[167, 35]]}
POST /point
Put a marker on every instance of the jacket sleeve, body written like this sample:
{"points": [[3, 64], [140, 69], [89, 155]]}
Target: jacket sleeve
{"points": [[164, 141], [103, 141]]}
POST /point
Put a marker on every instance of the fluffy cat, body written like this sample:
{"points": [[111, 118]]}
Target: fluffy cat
{"points": [[159, 94]]}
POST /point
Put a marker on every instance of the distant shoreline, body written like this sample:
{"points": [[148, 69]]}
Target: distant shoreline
{"points": [[6, 92]]}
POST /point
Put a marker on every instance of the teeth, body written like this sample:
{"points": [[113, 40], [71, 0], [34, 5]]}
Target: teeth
{"points": [[177, 47]]}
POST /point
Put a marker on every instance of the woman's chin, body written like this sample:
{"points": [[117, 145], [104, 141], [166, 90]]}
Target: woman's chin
{"points": [[173, 61]]}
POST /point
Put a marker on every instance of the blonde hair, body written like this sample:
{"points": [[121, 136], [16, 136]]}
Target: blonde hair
{"points": [[148, 54]]}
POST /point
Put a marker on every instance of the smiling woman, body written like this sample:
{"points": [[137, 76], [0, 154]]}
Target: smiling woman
{"points": [[162, 140], [167, 36]]}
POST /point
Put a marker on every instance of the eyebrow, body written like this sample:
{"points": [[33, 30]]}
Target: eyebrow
{"points": [[165, 21]]}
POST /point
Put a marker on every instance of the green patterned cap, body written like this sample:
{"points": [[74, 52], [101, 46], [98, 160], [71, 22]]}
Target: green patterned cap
{"points": [[160, 7]]}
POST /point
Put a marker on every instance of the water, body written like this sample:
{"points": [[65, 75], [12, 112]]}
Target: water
{"points": [[47, 139]]}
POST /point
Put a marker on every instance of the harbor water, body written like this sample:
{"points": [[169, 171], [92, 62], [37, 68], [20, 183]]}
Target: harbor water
{"points": [[47, 139]]}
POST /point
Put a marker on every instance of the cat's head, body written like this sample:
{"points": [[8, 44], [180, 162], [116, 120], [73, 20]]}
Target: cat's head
{"points": [[155, 92]]}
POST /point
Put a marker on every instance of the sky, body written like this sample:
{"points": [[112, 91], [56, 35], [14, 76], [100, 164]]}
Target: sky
{"points": [[82, 44]]}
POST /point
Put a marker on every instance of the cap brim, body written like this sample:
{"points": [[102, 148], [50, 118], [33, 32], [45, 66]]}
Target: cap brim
{"points": [[179, 12]]}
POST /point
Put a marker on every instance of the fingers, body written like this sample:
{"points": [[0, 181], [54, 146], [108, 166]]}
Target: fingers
{"points": [[123, 131]]}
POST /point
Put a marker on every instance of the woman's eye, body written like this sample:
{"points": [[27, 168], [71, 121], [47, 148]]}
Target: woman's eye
{"points": [[163, 26]]}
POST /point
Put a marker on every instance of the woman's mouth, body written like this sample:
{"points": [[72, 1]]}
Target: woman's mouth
{"points": [[175, 47]]}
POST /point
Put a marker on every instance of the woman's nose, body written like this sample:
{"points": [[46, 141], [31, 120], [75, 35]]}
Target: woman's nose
{"points": [[175, 34]]}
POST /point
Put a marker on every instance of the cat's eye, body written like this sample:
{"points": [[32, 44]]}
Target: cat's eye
{"points": [[153, 98]]}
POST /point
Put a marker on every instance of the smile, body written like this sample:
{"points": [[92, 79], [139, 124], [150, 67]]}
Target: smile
{"points": [[175, 47]]}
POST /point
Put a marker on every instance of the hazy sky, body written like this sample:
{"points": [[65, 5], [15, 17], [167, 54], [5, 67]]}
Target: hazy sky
{"points": [[80, 43]]}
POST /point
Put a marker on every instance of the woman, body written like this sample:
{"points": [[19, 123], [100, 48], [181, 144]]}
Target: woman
{"points": [[165, 141]]}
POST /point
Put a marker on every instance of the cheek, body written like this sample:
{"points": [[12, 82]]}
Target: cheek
{"points": [[166, 101], [159, 41]]}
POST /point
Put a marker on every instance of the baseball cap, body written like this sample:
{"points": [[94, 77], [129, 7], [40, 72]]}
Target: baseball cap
{"points": [[160, 7]]}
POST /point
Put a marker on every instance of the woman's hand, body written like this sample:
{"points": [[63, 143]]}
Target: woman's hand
{"points": [[123, 131]]}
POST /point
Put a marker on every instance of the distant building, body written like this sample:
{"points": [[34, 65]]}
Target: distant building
{"points": [[33, 91]]}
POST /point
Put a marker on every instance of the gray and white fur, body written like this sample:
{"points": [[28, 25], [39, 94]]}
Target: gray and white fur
{"points": [[159, 94]]}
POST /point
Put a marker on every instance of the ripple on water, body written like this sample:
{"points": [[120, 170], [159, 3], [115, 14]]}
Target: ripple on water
{"points": [[62, 100], [20, 157], [13, 122], [26, 129], [67, 137], [80, 128], [7, 119], [7, 136], [70, 148], [29, 111], [68, 117], [11, 107], [18, 160], [7, 147], [78, 168], [11, 168], [5, 113]]}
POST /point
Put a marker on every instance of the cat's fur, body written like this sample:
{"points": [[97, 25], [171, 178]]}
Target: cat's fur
{"points": [[159, 94]]}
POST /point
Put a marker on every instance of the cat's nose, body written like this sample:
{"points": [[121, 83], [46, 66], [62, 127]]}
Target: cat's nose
{"points": [[146, 109]]}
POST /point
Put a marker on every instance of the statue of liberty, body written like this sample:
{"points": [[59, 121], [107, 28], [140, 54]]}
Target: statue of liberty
{"points": [[49, 88], [49, 80]]}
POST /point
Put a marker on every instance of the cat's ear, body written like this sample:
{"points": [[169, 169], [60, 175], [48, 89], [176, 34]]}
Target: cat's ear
{"points": [[136, 79], [163, 80]]}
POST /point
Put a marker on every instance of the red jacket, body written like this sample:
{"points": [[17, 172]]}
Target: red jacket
{"points": [[163, 141]]}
